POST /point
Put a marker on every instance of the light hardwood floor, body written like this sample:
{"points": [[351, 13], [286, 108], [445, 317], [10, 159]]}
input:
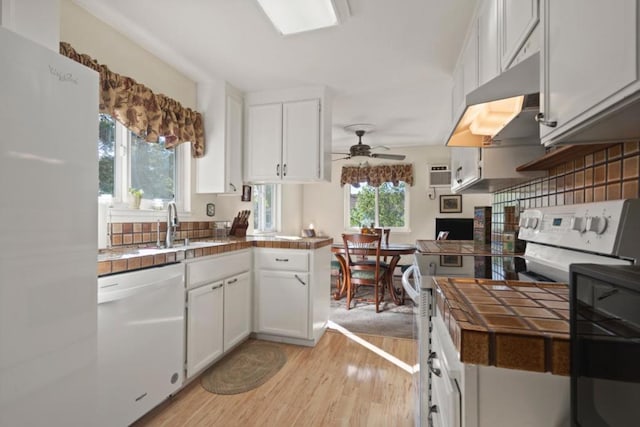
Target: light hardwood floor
{"points": [[337, 383]]}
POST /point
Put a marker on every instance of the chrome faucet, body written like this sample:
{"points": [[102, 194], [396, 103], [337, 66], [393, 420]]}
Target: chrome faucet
{"points": [[172, 223]]}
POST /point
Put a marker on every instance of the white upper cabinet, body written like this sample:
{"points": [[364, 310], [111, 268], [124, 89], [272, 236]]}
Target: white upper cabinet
{"points": [[518, 18], [301, 140], [488, 60], [465, 168], [470, 62], [465, 75], [590, 72], [220, 169], [264, 142], [288, 140]]}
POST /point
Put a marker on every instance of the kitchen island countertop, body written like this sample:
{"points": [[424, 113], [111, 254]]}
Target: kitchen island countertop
{"points": [[460, 247], [508, 324], [122, 259]]}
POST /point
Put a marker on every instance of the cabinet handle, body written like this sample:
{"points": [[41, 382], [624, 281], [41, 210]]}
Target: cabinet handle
{"points": [[433, 409], [284, 170], [434, 371], [550, 123], [233, 187], [278, 169], [232, 281], [458, 179], [299, 279], [282, 259], [213, 288]]}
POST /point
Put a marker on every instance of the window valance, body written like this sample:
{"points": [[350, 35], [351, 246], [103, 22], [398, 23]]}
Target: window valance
{"points": [[147, 114], [377, 175]]}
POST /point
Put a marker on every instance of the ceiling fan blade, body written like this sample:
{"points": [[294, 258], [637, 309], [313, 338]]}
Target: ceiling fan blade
{"points": [[341, 158], [381, 147], [343, 154], [389, 156]]}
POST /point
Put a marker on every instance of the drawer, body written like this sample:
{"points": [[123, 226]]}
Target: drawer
{"points": [[217, 268], [283, 260]]}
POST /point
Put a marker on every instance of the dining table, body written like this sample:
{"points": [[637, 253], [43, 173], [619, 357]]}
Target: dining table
{"points": [[394, 251]]}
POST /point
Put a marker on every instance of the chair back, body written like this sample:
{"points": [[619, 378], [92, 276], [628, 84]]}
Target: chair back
{"points": [[384, 232], [357, 245]]}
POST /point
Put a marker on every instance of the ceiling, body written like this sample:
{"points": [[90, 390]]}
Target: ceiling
{"points": [[388, 64]]}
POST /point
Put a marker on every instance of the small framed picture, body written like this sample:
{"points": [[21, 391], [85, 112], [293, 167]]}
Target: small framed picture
{"points": [[451, 203], [450, 261], [246, 193]]}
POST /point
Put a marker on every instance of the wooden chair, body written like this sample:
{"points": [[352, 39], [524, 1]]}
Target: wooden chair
{"points": [[364, 273]]}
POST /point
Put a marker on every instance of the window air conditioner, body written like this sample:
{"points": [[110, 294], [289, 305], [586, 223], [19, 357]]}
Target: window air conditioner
{"points": [[439, 176]]}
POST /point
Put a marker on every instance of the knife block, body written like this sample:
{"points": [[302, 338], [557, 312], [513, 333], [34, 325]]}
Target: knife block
{"points": [[239, 231]]}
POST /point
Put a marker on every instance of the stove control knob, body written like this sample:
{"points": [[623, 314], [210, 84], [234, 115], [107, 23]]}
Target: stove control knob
{"points": [[597, 224], [578, 224]]}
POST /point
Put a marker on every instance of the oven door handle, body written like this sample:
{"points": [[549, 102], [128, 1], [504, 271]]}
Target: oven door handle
{"points": [[411, 291]]}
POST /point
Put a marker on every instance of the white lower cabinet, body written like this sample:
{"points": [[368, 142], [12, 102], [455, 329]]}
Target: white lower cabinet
{"points": [[284, 303], [237, 309], [204, 326], [292, 294], [469, 395], [218, 307]]}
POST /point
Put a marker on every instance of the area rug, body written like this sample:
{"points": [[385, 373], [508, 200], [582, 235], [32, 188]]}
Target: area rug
{"points": [[392, 321], [245, 368]]}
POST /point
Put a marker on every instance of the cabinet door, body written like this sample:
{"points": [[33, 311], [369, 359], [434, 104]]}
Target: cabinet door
{"points": [[204, 326], [517, 20], [301, 140], [457, 94], [470, 62], [233, 174], [264, 145], [283, 303], [488, 65], [237, 309], [465, 165], [589, 54]]}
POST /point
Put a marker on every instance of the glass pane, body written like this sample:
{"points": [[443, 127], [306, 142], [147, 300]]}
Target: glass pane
{"points": [[152, 168], [362, 206], [264, 202], [391, 205], [106, 154]]}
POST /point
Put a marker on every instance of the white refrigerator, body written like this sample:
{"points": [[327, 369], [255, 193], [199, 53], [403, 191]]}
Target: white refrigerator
{"points": [[48, 236]]}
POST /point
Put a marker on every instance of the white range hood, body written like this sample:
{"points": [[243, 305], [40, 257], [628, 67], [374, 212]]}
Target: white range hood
{"points": [[502, 111]]}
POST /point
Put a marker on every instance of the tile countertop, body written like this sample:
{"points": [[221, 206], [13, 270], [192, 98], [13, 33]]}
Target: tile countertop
{"points": [[459, 247], [508, 324], [121, 259]]}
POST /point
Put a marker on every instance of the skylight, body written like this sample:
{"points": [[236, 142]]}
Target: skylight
{"points": [[290, 17]]}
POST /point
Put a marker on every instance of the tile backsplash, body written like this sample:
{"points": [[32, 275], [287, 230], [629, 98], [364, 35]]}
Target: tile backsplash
{"points": [[608, 174], [137, 233]]}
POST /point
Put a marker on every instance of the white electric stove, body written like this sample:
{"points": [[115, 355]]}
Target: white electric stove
{"points": [[599, 233]]}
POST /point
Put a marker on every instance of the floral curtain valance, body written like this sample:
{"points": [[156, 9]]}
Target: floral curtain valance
{"points": [[147, 114], [377, 175]]}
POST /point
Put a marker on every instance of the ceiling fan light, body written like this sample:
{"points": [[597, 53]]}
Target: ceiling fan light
{"points": [[290, 17]]}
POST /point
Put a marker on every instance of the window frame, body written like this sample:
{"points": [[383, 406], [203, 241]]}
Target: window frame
{"points": [[122, 174], [277, 199], [347, 210]]}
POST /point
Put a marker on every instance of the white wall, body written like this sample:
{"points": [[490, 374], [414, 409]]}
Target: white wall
{"points": [[323, 204]]}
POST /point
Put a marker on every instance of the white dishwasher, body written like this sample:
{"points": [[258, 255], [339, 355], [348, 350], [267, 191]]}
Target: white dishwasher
{"points": [[140, 341]]}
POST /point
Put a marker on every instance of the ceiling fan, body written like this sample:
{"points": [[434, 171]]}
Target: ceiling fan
{"points": [[364, 150]]}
